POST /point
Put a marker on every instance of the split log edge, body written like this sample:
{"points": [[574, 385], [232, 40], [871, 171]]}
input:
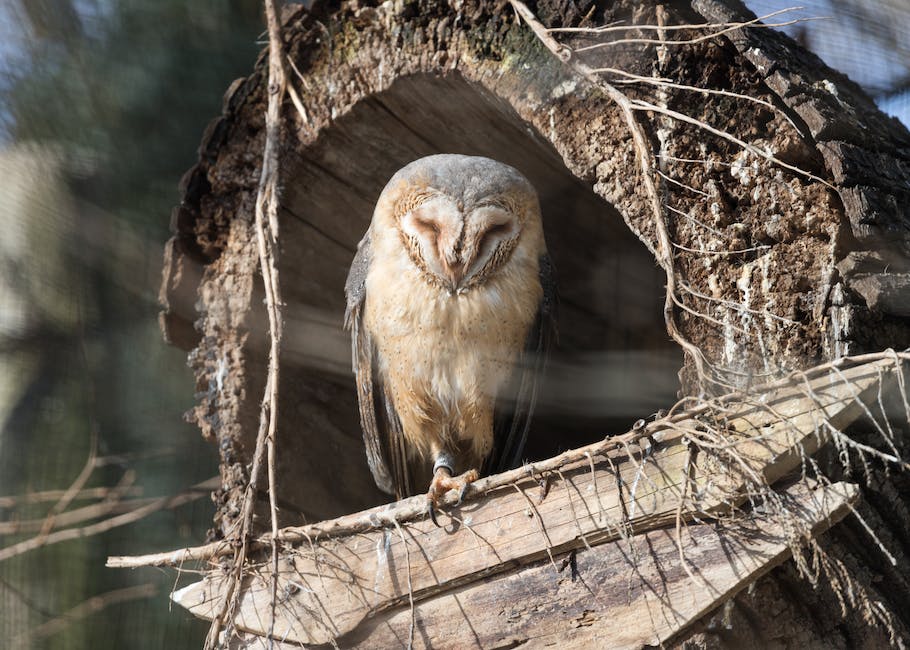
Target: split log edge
{"points": [[335, 585], [624, 594]]}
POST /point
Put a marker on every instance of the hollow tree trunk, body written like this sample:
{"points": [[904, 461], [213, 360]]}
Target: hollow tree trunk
{"points": [[382, 85]]}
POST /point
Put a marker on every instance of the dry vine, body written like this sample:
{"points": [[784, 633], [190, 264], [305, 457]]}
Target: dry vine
{"points": [[267, 241]]}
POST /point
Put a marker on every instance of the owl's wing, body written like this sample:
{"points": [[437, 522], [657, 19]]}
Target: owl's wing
{"points": [[513, 414], [382, 432]]}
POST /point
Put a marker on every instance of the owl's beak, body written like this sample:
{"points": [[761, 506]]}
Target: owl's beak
{"points": [[454, 275]]}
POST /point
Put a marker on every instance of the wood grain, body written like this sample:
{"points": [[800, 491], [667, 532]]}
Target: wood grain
{"points": [[624, 594], [334, 584], [627, 593]]}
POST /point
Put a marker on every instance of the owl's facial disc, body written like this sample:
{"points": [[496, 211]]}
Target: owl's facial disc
{"points": [[459, 250], [491, 232], [433, 231]]}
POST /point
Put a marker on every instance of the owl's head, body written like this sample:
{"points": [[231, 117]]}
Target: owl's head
{"points": [[460, 218]]}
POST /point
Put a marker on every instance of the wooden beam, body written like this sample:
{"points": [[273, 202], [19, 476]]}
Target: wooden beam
{"points": [[627, 593], [624, 594], [332, 585]]}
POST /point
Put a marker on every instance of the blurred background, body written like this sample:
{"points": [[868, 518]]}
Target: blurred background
{"points": [[102, 104]]}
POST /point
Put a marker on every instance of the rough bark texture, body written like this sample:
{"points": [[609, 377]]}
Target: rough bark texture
{"points": [[385, 84]]}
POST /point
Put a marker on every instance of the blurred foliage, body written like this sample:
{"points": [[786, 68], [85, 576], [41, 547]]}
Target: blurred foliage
{"points": [[103, 102]]}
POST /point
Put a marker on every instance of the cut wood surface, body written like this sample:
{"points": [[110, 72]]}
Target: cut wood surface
{"points": [[331, 585], [626, 593]]}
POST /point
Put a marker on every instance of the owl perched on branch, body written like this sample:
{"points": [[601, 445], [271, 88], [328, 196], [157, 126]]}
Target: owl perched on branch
{"points": [[451, 303]]}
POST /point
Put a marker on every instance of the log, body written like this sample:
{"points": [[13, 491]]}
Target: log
{"points": [[882, 280], [625, 594], [381, 85]]}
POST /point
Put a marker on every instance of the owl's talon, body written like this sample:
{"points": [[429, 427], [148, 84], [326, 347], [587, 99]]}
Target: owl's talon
{"points": [[442, 482], [431, 510], [465, 479]]}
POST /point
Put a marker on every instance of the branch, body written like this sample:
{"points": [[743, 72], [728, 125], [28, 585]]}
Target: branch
{"points": [[32, 498], [267, 241], [156, 505], [76, 485], [87, 608], [96, 510]]}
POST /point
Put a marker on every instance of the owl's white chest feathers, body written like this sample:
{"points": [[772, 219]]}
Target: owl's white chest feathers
{"points": [[446, 356]]}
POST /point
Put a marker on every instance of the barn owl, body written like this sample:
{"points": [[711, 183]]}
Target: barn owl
{"points": [[451, 304]]}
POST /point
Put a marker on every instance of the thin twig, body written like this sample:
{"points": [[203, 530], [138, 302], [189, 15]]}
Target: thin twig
{"points": [[620, 26], [43, 496], [641, 105], [267, 238], [407, 556], [662, 82], [76, 485], [679, 183], [133, 516], [730, 27], [112, 504], [535, 513], [91, 606]]}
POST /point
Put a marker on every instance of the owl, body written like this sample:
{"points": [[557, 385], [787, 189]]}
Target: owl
{"points": [[451, 305]]}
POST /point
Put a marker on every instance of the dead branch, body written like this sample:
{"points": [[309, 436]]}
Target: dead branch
{"points": [[110, 506], [267, 241], [91, 606], [73, 517], [43, 496], [76, 485], [133, 516]]}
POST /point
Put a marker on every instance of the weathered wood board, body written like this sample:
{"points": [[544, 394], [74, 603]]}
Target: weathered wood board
{"points": [[628, 593], [624, 594], [331, 586]]}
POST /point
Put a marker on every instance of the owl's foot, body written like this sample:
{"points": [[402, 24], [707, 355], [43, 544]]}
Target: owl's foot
{"points": [[442, 482]]}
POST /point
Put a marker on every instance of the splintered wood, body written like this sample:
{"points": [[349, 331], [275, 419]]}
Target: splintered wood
{"points": [[593, 535], [623, 594]]}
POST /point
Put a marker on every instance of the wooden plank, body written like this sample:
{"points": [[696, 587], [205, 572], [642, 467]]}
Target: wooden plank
{"points": [[623, 594], [338, 582]]}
